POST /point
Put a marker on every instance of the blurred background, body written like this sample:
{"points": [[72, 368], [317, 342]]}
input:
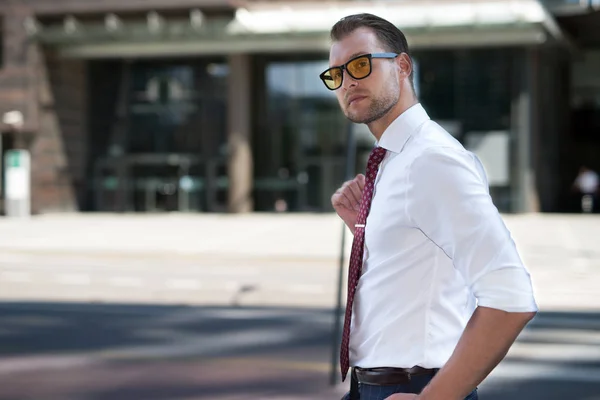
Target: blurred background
{"points": [[167, 168]]}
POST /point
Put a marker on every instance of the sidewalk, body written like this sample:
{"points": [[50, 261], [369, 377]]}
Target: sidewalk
{"points": [[257, 234], [561, 251]]}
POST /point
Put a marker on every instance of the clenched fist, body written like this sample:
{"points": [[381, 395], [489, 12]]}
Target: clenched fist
{"points": [[346, 200]]}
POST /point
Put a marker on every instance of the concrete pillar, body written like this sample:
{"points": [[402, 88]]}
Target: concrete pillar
{"points": [[240, 166], [524, 128]]}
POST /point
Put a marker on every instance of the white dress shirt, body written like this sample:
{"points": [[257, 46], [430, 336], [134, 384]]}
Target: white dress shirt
{"points": [[435, 247]]}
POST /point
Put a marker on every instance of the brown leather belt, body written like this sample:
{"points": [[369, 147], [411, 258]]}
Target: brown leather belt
{"points": [[390, 376]]}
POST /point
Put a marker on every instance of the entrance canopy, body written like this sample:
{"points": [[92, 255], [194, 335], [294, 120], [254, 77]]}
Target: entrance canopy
{"points": [[296, 27]]}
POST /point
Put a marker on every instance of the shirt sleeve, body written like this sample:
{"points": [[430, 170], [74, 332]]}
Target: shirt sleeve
{"points": [[449, 201]]}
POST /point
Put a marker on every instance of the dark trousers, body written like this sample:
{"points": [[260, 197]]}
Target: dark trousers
{"points": [[416, 385]]}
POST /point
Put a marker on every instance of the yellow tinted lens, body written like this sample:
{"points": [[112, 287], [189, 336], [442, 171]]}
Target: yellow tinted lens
{"points": [[359, 68], [333, 78]]}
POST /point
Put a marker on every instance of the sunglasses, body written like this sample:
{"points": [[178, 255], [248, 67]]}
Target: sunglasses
{"points": [[358, 68]]}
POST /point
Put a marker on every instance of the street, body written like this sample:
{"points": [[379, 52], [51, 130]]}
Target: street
{"points": [[87, 351], [111, 307], [78, 351]]}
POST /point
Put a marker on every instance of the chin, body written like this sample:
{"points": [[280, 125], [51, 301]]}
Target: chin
{"points": [[357, 118]]}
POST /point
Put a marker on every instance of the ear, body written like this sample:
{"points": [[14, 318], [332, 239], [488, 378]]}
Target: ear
{"points": [[405, 64]]}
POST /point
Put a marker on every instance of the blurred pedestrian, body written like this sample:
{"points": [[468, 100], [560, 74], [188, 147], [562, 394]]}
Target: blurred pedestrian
{"points": [[437, 292]]}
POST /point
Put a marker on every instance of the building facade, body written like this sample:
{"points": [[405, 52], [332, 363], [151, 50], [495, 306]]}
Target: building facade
{"points": [[216, 106]]}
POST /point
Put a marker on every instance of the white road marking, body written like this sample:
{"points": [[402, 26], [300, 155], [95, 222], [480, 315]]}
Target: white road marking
{"points": [[127, 281], [74, 279], [15, 276], [184, 284]]}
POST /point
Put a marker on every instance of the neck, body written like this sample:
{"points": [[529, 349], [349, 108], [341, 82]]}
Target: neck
{"points": [[404, 103]]}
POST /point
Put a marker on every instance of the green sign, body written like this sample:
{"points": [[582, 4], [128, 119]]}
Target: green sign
{"points": [[13, 159]]}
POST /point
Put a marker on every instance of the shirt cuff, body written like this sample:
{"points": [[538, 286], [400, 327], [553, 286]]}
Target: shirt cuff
{"points": [[507, 289]]}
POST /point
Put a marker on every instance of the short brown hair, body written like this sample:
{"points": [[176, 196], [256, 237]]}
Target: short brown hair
{"points": [[392, 38]]}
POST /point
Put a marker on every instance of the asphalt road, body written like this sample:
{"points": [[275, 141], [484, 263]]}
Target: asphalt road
{"points": [[99, 351]]}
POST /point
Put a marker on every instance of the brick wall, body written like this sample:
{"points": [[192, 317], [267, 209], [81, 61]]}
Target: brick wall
{"points": [[15, 73], [51, 94], [60, 148]]}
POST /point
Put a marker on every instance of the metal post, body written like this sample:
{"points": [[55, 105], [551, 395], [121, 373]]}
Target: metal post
{"points": [[337, 315], [524, 127], [240, 162]]}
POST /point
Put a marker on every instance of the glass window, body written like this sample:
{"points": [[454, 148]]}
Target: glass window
{"points": [[162, 100], [178, 108], [302, 150], [165, 148], [483, 83], [467, 90], [434, 79]]}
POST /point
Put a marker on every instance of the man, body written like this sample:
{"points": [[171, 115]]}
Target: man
{"points": [[437, 292]]}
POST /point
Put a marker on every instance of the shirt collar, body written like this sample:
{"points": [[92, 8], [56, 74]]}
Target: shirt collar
{"points": [[395, 136]]}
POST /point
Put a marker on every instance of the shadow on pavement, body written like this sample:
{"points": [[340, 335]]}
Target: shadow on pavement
{"points": [[50, 328]]}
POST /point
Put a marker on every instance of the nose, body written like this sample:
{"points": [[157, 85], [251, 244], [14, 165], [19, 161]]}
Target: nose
{"points": [[348, 81]]}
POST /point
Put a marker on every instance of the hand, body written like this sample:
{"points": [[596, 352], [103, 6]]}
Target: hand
{"points": [[403, 396], [346, 200]]}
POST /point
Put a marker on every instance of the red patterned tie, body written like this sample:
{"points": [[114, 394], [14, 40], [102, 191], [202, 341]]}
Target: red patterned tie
{"points": [[356, 256]]}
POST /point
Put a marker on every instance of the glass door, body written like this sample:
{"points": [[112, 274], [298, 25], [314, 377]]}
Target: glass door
{"points": [[305, 133]]}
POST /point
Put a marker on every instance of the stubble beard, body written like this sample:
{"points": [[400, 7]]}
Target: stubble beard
{"points": [[378, 108]]}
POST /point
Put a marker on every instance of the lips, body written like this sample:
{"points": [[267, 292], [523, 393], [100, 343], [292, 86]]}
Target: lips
{"points": [[354, 98]]}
